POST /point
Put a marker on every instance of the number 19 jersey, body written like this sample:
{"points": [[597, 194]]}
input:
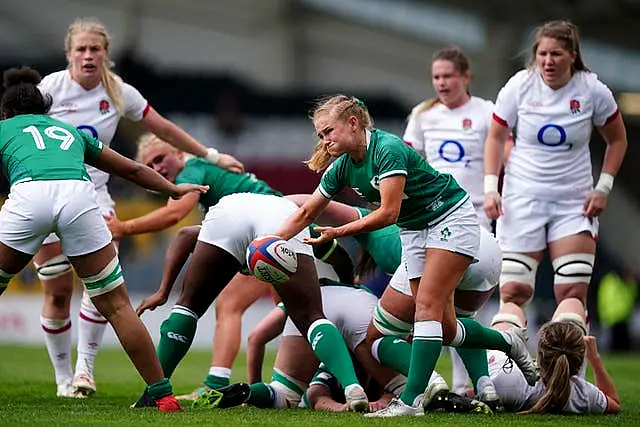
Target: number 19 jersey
{"points": [[39, 148]]}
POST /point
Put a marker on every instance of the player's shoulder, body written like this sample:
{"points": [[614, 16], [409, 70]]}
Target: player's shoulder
{"points": [[54, 81], [588, 80], [480, 104]]}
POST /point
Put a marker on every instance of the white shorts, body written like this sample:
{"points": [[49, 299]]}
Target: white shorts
{"points": [[529, 224], [481, 276], [67, 208], [105, 203], [483, 219], [236, 220], [350, 309], [459, 232]]}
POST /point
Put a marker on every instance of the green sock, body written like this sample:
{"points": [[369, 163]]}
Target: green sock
{"points": [[475, 360], [214, 381], [394, 353], [327, 343], [261, 396], [425, 351], [160, 389], [176, 335], [477, 336]]}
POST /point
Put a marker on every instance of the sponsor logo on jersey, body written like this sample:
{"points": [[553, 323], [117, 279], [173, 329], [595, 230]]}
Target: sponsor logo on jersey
{"points": [[574, 106], [467, 124], [103, 106]]}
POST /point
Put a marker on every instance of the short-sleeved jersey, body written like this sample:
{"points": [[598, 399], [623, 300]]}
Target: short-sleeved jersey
{"points": [[39, 148], [92, 111], [383, 245], [221, 182], [585, 398], [452, 140], [551, 158], [428, 197]]}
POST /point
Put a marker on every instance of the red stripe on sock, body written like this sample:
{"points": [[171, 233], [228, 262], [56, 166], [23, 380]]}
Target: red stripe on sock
{"points": [[65, 328], [89, 319]]}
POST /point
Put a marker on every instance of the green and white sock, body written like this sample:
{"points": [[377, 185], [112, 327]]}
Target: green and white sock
{"points": [[218, 377], [425, 351], [176, 336], [261, 396], [160, 389], [394, 353], [471, 334], [327, 343]]}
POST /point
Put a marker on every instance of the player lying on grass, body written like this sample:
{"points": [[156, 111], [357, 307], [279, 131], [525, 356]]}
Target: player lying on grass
{"points": [[240, 208], [51, 191], [562, 349]]}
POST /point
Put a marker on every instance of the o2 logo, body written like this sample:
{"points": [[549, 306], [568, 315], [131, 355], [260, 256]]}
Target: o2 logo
{"points": [[553, 135], [454, 152], [89, 130]]}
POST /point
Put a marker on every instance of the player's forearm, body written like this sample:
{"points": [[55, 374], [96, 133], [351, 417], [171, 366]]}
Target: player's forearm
{"points": [[158, 220], [295, 224], [603, 379], [493, 153], [613, 156], [376, 220], [151, 180], [177, 254], [182, 140]]}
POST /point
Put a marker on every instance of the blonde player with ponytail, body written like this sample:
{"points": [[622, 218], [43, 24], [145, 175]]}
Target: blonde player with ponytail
{"points": [[91, 97]]}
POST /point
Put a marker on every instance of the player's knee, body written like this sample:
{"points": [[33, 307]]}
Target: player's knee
{"points": [[573, 268], [517, 278], [105, 281], [5, 278], [287, 390], [389, 325], [52, 268]]}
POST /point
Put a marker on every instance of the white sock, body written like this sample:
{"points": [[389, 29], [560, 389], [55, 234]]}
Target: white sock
{"points": [[218, 371], [91, 327], [57, 337], [460, 378]]}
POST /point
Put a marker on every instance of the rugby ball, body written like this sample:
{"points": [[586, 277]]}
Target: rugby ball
{"points": [[271, 259]]}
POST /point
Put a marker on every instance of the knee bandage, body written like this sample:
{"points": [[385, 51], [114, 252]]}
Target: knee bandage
{"points": [[107, 280], [389, 325], [288, 391], [520, 269], [512, 319], [573, 268], [53, 267], [5, 278], [574, 318]]}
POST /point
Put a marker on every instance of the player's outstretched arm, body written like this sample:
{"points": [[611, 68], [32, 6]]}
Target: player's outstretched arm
{"points": [[177, 254], [268, 328], [602, 378]]}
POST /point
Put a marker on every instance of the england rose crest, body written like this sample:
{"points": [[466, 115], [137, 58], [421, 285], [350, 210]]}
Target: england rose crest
{"points": [[574, 106], [103, 106]]}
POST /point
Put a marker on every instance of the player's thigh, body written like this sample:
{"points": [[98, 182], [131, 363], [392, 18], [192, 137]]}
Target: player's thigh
{"points": [[522, 227], [296, 358], [241, 292]]}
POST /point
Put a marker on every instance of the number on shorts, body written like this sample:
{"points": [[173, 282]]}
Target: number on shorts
{"points": [[53, 132]]}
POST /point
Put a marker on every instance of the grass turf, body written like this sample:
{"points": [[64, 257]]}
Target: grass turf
{"points": [[27, 396]]}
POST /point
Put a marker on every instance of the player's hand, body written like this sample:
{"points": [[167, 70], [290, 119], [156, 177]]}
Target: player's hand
{"points": [[591, 346], [594, 204], [116, 227], [493, 205], [227, 161], [327, 234], [151, 302], [182, 189]]}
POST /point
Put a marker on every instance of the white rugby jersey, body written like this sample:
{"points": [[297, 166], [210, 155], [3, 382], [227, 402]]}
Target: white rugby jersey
{"points": [[91, 111], [551, 158], [452, 141], [516, 395]]}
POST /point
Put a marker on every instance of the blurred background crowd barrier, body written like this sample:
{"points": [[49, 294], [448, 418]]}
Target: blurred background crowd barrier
{"points": [[241, 76]]}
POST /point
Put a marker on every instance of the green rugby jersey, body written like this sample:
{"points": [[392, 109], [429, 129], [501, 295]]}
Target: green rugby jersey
{"points": [[383, 245], [221, 182], [35, 147], [428, 195]]}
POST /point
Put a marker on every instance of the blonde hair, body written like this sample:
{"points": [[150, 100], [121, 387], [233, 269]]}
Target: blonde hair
{"points": [[342, 106], [110, 80], [561, 351], [567, 34], [146, 141]]}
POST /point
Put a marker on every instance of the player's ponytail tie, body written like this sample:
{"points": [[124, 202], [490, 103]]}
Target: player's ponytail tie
{"points": [[360, 103]]}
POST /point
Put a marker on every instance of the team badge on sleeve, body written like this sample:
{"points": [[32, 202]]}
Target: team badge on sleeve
{"points": [[466, 124], [574, 106], [103, 106]]}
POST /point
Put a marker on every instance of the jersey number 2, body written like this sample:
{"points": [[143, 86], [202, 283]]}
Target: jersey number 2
{"points": [[54, 132]]}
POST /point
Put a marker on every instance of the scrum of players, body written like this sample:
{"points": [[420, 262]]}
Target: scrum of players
{"points": [[429, 201]]}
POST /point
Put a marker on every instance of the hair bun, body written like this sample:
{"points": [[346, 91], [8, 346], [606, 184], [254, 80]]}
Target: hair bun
{"points": [[23, 75]]}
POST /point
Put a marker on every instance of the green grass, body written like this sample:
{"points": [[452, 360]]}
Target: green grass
{"points": [[27, 396]]}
